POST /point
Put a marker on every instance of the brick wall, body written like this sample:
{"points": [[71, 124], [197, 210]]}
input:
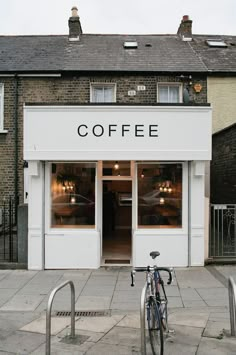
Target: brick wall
{"points": [[223, 166], [68, 90]]}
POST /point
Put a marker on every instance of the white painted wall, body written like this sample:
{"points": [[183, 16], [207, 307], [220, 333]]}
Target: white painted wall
{"points": [[173, 248], [36, 216], [72, 250], [197, 213], [177, 133]]}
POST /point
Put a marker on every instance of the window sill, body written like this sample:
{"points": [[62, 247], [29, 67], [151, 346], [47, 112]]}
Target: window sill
{"points": [[3, 131]]}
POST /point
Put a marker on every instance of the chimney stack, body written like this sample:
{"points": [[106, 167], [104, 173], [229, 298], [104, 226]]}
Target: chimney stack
{"points": [[185, 28], [75, 29]]}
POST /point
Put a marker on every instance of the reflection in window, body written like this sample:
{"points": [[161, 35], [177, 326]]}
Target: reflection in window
{"points": [[160, 195], [116, 168], [73, 195]]}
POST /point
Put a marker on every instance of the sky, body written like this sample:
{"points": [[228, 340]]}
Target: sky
{"points": [[26, 17]]}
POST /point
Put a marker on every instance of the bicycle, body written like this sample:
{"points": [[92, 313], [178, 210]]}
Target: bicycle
{"points": [[155, 304]]}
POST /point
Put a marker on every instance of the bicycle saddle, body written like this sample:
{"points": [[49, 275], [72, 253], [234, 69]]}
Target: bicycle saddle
{"points": [[154, 254]]}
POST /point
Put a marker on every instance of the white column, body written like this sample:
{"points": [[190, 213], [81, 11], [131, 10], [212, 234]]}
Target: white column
{"points": [[197, 213], [36, 216]]}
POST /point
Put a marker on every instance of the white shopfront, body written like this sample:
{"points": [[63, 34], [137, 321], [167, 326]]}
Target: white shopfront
{"points": [[153, 160]]}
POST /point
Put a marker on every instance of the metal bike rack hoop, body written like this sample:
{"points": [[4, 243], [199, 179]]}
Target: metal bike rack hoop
{"points": [[142, 319], [49, 310], [232, 305]]}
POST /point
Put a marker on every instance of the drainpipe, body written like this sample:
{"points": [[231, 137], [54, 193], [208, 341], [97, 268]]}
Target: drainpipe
{"points": [[189, 213], [16, 141]]}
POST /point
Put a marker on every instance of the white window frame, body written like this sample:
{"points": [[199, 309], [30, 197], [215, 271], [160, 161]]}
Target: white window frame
{"points": [[2, 109], [166, 231], [104, 85], [179, 85]]}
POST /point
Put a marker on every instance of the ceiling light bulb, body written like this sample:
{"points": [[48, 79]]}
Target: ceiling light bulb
{"points": [[116, 166], [162, 201]]}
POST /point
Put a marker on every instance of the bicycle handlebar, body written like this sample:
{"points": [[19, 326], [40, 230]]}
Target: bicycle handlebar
{"points": [[151, 268]]}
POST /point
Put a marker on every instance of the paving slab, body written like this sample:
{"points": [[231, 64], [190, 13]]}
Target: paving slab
{"points": [[21, 342], [217, 302], [209, 346], [98, 324], [194, 278], [188, 318], [172, 291], [16, 279], [215, 293], [101, 280], [130, 321], [190, 294], [6, 294], [216, 329], [177, 349], [125, 306], [218, 316], [185, 335], [175, 302], [39, 325], [194, 303], [91, 337], [22, 303], [107, 290], [93, 303], [122, 336], [108, 349]]}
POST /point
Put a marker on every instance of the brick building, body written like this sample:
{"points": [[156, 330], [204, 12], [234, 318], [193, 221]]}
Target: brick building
{"points": [[223, 167], [106, 138]]}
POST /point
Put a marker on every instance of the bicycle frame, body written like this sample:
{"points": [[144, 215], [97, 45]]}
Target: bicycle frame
{"points": [[152, 290]]}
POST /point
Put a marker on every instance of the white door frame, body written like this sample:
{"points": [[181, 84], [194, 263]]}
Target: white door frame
{"points": [[100, 179]]}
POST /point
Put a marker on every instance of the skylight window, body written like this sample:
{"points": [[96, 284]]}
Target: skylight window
{"points": [[216, 43], [130, 44]]}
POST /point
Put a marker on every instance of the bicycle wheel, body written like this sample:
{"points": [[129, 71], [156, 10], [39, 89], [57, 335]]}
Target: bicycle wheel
{"points": [[155, 328], [162, 303]]}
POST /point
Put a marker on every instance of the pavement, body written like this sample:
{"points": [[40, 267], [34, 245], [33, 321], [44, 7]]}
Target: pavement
{"points": [[107, 312]]}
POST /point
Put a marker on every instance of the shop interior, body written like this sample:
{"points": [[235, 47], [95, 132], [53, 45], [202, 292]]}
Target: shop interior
{"points": [[117, 221]]}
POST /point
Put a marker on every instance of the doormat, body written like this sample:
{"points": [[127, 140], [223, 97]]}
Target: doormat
{"points": [[117, 261]]}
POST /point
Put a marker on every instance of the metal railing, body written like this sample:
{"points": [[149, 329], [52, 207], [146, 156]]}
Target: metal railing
{"points": [[49, 310], [222, 231], [8, 230], [232, 305]]}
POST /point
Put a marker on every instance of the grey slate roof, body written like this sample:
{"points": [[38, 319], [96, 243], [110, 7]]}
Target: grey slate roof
{"points": [[216, 59], [165, 53]]}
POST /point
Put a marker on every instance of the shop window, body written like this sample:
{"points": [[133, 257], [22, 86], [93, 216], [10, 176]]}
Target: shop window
{"points": [[159, 195], [102, 93], [169, 93], [73, 195], [116, 168], [1, 107]]}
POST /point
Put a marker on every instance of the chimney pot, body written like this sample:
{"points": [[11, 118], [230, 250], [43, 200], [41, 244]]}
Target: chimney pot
{"points": [[185, 18], [74, 11]]}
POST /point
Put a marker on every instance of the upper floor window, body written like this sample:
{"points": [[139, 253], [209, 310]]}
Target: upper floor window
{"points": [[169, 93], [103, 93], [1, 107]]}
